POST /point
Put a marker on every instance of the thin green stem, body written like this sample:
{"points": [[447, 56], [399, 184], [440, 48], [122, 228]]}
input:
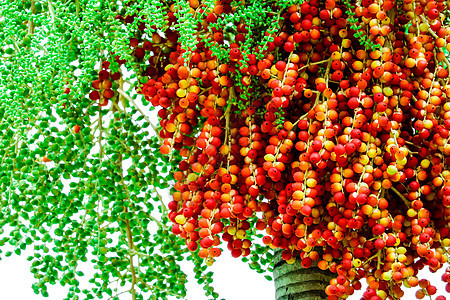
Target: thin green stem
{"points": [[124, 94]]}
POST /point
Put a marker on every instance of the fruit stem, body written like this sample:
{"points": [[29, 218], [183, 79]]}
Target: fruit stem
{"points": [[327, 72], [379, 259], [287, 67], [401, 196], [128, 228], [435, 36], [417, 23], [123, 93], [163, 206], [431, 88], [412, 144], [227, 114], [204, 91], [313, 63], [155, 286], [30, 21], [77, 7], [131, 246], [52, 13], [227, 139], [312, 107], [100, 136]]}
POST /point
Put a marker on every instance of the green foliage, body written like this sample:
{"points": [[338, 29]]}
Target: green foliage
{"points": [[96, 201]]}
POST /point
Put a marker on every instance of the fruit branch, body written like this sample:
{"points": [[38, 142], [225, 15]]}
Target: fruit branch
{"points": [[123, 93], [164, 208], [157, 287], [401, 196], [227, 114], [314, 63], [130, 243], [131, 247], [415, 19], [129, 234], [287, 67], [52, 13], [77, 8], [100, 136], [371, 258], [16, 46], [306, 114], [378, 259], [118, 294], [30, 21], [141, 254], [436, 37]]}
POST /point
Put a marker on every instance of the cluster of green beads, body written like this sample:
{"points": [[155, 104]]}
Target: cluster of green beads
{"points": [[98, 189]]}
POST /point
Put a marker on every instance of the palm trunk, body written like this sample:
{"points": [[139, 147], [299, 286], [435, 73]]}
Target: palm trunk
{"points": [[293, 282]]}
